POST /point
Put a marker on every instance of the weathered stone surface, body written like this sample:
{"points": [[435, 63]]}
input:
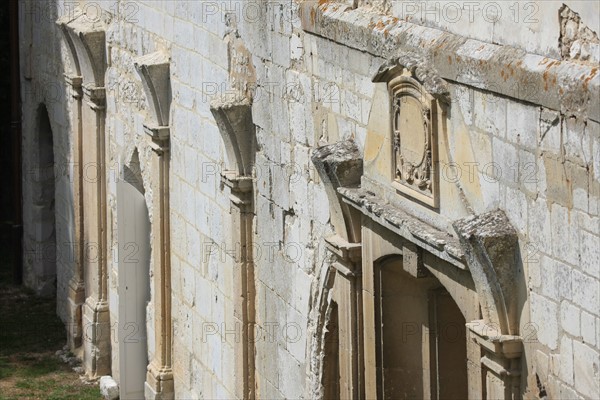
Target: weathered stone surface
{"points": [[340, 165], [109, 389], [566, 86], [490, 245], [439, 243], [519, 132]]}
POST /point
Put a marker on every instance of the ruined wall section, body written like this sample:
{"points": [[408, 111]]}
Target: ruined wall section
{"points": [[539, 165]]}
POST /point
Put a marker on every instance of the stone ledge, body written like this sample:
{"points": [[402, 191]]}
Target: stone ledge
{"points": [[439, 243], [567, 86]]}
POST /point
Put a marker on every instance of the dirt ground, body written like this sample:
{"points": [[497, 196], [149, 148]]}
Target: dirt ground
{"points": [[33, 361]]}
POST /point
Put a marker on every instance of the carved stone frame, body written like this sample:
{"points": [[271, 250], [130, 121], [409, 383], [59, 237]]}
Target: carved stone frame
{"points": [[411, 182]]}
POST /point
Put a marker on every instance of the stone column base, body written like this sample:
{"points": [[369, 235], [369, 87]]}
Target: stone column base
{"points": [[159, 384], [75, 303], [96, 338]]}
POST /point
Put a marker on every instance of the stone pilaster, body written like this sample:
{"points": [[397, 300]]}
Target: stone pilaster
{"points": [[76, 295], [238, 132], [242, 214], [347, 293], [96, 319], [154, 70], [159, 379]]}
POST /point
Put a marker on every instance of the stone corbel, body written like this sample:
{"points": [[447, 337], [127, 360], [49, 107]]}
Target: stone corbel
{"points": [[340, 165], [154, 70], [234, 119], [85, 38], [490, 245]]}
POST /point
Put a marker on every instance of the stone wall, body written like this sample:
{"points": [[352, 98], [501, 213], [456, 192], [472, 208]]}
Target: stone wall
{"points": [[538, 162], [42, 85]]}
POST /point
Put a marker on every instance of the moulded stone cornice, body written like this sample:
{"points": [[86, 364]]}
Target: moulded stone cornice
{"points": [[86, 39], [566, 86], [435, 241], [422, 71], [234, 119], [154, 70], [340, 165]]}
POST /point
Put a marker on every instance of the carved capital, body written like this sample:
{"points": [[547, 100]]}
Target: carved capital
{"points": [[340, 165], [75, 83], [241, 188], [159, 136], [96, 96], [490, 245], [346, 251], [154, 70]]}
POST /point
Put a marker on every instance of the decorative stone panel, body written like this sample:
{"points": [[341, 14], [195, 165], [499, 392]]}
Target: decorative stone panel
{"points": [[414, 151]]}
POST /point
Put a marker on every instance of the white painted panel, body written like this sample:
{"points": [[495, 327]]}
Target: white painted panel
{"points": [[134, 289]]}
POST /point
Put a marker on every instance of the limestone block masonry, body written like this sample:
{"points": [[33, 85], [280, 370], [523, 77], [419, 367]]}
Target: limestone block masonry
{"points": [[333, 199]]}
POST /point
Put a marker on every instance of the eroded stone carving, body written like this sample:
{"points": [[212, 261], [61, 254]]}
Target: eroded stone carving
{"points": [[416, 94], [490, 244], [340, 165], [414, 150], [577, 41]]}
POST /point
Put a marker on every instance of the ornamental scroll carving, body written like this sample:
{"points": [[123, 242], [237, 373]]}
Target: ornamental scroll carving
{"points": [[414, 151]]}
